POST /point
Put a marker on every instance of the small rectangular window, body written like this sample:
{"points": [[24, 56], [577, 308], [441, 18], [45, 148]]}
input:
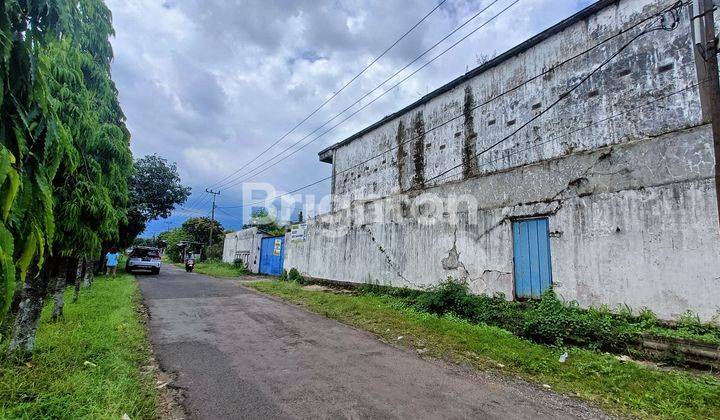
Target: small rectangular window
{"points": [[665, 67], [624, 72]]}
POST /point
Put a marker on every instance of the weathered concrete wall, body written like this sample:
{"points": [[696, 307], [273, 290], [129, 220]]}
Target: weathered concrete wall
{"points": [[655, 65], [621, 233], [623, 169], [244, 244]]}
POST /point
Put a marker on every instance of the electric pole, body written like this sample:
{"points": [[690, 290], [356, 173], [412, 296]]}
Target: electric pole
{"points": [[212, 214], [706, 63]]}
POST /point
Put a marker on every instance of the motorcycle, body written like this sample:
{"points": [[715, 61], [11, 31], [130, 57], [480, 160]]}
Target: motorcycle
{"points": [[189, 265]]}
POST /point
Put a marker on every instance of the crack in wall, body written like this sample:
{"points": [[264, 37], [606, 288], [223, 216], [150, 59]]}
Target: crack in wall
{"points": [[388, 260], [452, 261]]}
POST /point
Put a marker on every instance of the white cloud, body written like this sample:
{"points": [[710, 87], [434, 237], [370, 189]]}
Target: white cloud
{"points": [[211, 83]]}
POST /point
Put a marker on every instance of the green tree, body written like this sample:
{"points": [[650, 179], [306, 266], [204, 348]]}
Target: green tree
{"points": [[155, 190], [172, 237], [261, 219], [199, 229], [33, 141], [70, 201]]}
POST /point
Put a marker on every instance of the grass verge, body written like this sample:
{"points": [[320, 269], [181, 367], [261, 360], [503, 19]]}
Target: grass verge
{"points": [[217, 269], [86, 365], [619, 387]]}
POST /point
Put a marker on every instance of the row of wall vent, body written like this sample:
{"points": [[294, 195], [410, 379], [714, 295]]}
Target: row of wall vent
{"points": [[591, 94]]}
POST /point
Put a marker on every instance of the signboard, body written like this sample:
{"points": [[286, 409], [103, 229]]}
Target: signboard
{"points": [[278, 247], [297, 232]]}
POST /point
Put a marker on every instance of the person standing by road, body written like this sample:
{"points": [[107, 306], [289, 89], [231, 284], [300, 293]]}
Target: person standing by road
{"points": [[112, 262]]}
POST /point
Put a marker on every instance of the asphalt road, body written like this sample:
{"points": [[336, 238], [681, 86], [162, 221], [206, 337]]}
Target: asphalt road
{"points": [[240, 354]]}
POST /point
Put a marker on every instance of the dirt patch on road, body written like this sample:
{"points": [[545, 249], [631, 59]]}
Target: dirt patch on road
{"points": [[169, 402]]}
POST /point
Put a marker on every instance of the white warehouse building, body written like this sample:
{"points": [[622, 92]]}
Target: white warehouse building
{"points": [[608, 196]]}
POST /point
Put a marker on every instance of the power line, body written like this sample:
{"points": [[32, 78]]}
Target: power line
{"points": [[551, 139], [662, 27], [228, 214], [335, 94], [461, 115], [567, 134], [240, 178], [524, 125]]}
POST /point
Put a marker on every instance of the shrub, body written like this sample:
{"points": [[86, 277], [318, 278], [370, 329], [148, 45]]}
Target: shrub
{"points": [[450, 296], [377, 289], [239, 264], [496, 310], [549, 320], [283, 276], [214, 252], [294, 275]]}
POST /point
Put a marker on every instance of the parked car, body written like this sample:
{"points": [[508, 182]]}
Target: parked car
{"points": [[144, 258]]}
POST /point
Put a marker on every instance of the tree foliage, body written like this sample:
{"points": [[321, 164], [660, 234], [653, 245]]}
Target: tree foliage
{"points": [[64, 148], [172, 237], [33, 140], [262, 219], [199, 229], [155, 190]]}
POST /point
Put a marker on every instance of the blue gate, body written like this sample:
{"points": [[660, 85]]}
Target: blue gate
{"points": [[272, 252], [531, 255]]}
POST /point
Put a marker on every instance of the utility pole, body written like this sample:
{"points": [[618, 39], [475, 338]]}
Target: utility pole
{"points": [[212, 214], [706, 63]]}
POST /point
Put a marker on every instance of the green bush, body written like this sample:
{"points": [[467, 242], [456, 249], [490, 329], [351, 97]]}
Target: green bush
{"points": [[239, 264], [294, 275], [377, 289], [214, 251], [450, 296], [496, 310], [284, 275], [552, 321], [548, 320]]}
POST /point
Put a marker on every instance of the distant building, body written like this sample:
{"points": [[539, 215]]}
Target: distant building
{"points": [[245, 246], [608, 197]]}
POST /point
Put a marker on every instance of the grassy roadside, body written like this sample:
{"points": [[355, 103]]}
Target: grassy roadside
{"points": [[217, 269], [87, 365], [619, 387]]}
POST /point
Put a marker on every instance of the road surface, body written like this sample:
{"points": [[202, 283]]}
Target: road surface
{"points": [[240, 354]]}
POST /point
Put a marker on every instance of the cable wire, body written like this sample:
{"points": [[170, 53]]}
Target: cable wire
{"points": [[660, 14], [524, 125], [266, 168], [239, 178], [335, 94], [591, 124]]}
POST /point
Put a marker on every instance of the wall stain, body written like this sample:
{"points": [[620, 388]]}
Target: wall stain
{"points": [[400, 139], [419, 150], [469, 150]]}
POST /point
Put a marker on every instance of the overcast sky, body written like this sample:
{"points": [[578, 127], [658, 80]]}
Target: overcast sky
{"points": [[209, 84]]}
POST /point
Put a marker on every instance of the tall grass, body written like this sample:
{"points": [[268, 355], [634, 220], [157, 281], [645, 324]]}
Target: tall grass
{"points": [[87, 365]]}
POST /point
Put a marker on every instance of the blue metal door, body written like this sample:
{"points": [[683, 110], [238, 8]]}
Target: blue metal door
{"points": [[531, 254], [272, 252]]}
